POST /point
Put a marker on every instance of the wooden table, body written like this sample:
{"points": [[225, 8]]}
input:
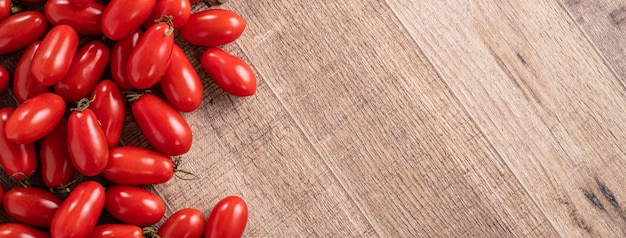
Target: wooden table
{"points": [[417, 118]]}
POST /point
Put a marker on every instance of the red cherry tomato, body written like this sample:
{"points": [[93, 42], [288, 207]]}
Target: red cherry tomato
{"points": [[108, 105], [86, 70], [5, 9], [4, 78], [20, 30], [19, 161], [56, 167], [119, 59], [87, 144], [77, 215], [163, 126], [81, 3], [21, 230], [150, 58], [213, 27], [54, 56], [129, 165], [134, 205], [24, 85], [31, 206], [116, 230], [85, 20], [181, 84], [35, 118], [180, 10], [122, 17], [228, 218], [185, 223], [229, 72]]}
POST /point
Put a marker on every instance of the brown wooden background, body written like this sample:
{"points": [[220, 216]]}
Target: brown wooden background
{"points": [[415, 118]]}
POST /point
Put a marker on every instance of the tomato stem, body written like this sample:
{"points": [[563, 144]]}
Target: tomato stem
{"points": [[167, 20], [83, 104], [177, 162], [25, 181], [132, 96], [150, 232], [63, 189], [15, 9]]}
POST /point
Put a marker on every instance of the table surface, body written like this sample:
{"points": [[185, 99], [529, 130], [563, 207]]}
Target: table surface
{"points": [[415, 118]]}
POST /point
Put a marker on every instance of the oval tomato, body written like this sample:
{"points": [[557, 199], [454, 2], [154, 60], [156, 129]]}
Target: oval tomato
{"points": [[163, 126], [35, 118], [19, 161], [24, 85], [87, 144], [122, 17], [56, 167], [85, 20], [77, 215], [86, 70], [54, 56], [150, 58], [181, 84], [229, 72], [134, 205], [5, 9], [81, 3], [4, 78], [108, 105], [185, 223], [180, 10], [21, 230], [227, 219], [213, 27], [31, 206], [119, 59], [20, 30], [129, 165], [116, 230]]}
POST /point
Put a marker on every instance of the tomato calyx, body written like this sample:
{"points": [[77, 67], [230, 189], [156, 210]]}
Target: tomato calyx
{"points": [[150, 232], [15, 9], [64, 189], [83, 104], [24, 181], [132, 96], [167, 20], [177, 161]]}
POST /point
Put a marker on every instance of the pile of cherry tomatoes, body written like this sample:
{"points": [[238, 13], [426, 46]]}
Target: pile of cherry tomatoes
{"points": [[69, 120]]}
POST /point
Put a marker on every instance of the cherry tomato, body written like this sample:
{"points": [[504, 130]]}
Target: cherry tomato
{"points": [[116, 230], [122, 17], [213, 27], [24, 85], [81, 3], [129, 165], [85, 20], [35, 118], [185, 223], [21, 231], [77, 215], [5, 9], [119, 59], [150, 58], [18, 160], [181, 84], [134, 205], [56, 167], [4, 78], [87, 144], [54, 56], [86, 70], [229, 72], [108, 105], [20, 30], [163, 126], [31, 206], [227, 219], [180, 10]]}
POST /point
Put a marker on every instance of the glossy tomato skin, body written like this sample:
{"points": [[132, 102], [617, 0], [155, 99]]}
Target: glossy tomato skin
{"points": [[20, 30], [56, 167], [108, 105], [24, 85], [54, 56], [149, 60], [181, 84], [85, 71], [85, 20], [130, 165], [19, 161], [4, 78], [122, 17], [119, 59], [5, 9], [228, 218], [180, 10], [213, 27], [134, 205], [229, 72], [163, 126], [87, 144], [21, 231], [31, 206], [116, 231], [78, 213], [35, 118], [185, 223]]}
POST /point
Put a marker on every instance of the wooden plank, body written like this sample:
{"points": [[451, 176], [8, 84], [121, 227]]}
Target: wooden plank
{"points": [[544, 98], [384, 122]]}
